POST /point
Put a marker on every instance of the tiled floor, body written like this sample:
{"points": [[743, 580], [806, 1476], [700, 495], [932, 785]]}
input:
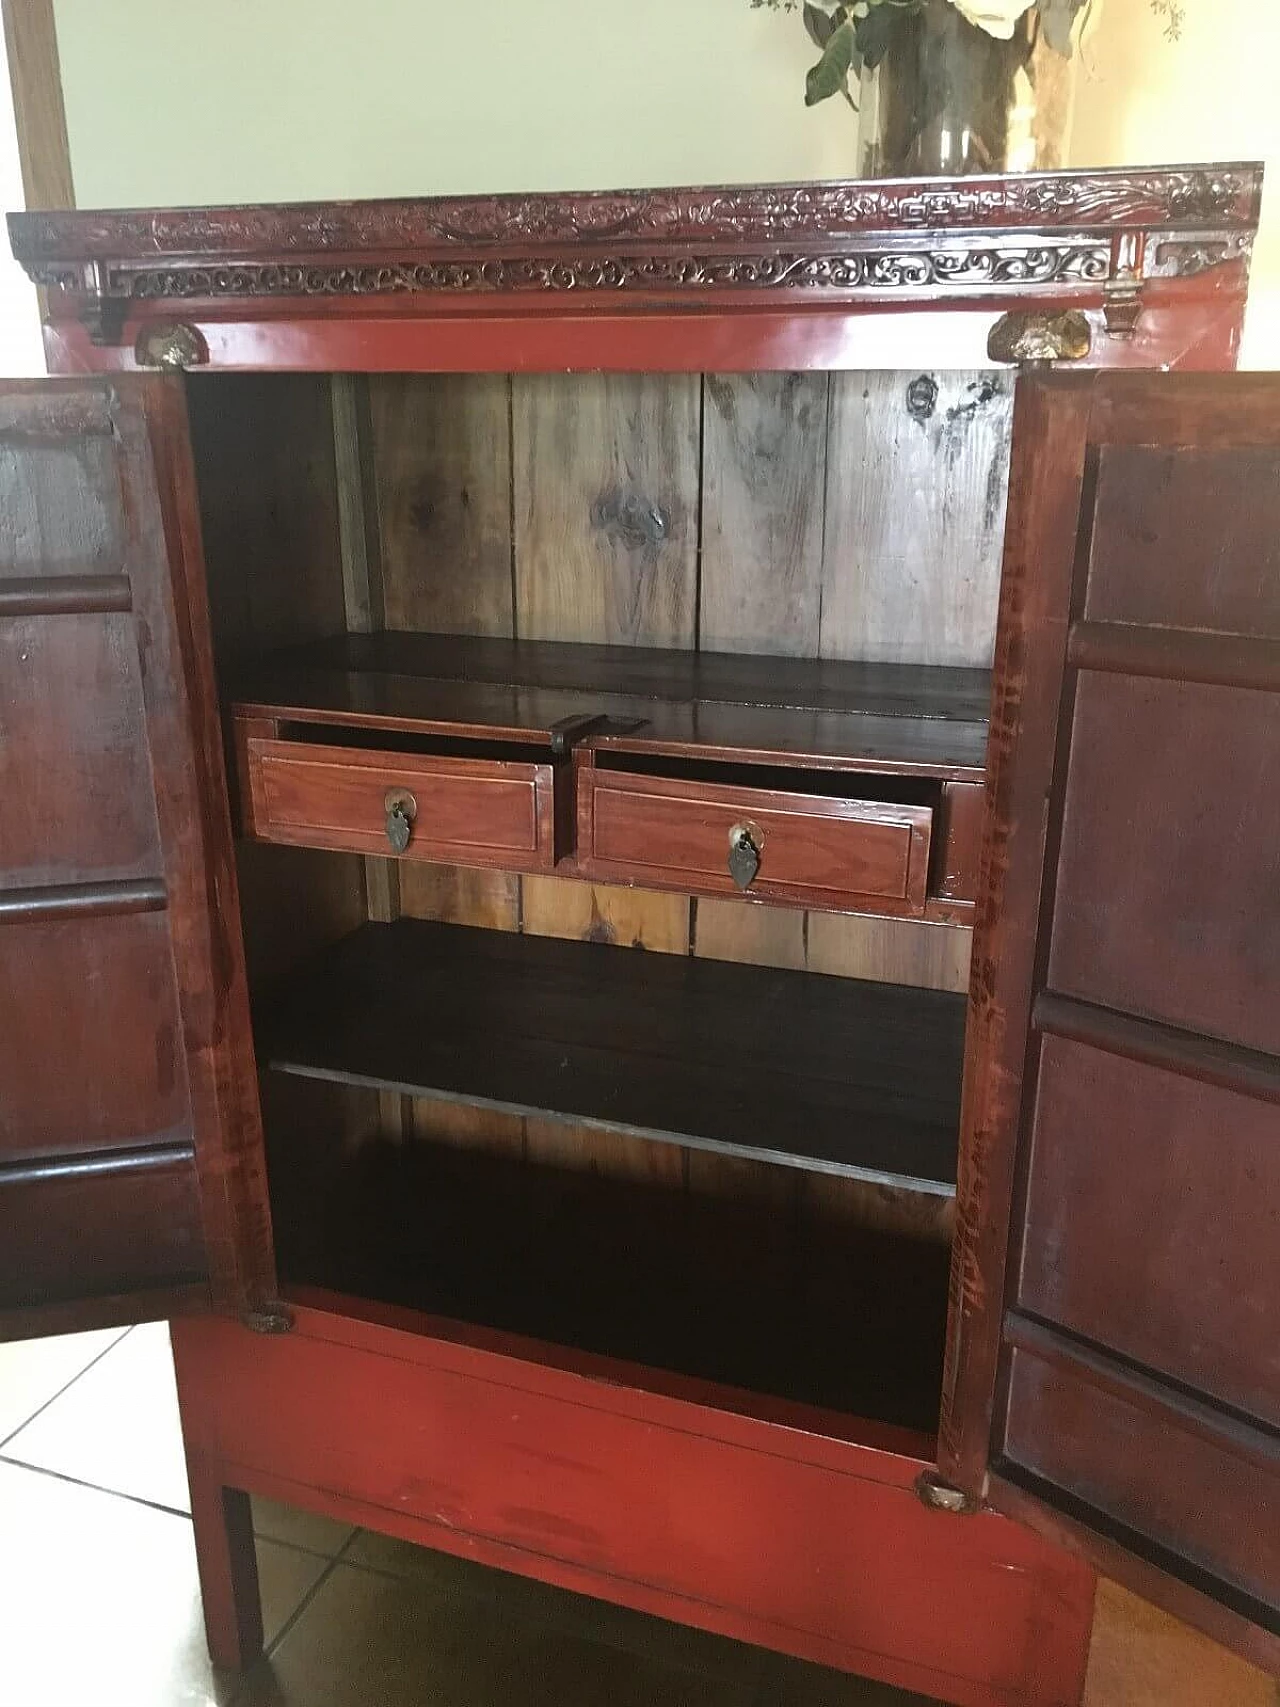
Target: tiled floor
{"points": [[99, 1605]]}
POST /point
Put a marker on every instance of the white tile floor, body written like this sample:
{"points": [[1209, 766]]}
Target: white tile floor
{"points": [[100, 1606]]}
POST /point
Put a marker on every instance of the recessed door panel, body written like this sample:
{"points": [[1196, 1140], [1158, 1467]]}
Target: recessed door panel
{"points": [[1168, 880], [131, 1167]]}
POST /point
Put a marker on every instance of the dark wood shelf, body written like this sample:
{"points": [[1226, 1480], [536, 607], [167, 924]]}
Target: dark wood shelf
{"points": [[815, 1072], [925, 720], [723, 1291]]}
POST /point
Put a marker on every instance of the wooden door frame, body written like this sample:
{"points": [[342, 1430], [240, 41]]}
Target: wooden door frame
{"points": [[39, 112]]}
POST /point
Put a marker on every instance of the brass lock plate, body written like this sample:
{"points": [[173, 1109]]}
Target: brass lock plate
{"points": [[401, 810], [746, 845]]}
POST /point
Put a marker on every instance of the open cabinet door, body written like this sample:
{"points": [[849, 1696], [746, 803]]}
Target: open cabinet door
{"points": [[1114, 1373], [132, 1180]]}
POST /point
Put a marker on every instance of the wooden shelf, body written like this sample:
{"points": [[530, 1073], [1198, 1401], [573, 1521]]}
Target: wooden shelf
{"points": [[723, 1291], [815, 1072], [922, 720]]}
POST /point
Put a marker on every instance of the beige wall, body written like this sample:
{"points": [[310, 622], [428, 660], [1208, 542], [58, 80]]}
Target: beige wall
{"points": [[1213, 95], [251, 100]]}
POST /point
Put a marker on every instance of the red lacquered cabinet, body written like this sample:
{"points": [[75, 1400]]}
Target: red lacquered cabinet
{"points": [[669, 995]]}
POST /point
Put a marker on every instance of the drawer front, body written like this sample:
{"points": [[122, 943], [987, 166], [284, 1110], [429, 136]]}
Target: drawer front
{"points": [[460, 811], [812, 850]]}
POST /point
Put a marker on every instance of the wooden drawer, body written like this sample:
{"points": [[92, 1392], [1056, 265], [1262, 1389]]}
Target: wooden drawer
{"points": [[814, 849], [479, 811]]}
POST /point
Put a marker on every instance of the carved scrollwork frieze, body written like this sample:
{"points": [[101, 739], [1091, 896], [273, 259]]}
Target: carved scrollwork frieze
{"points": [[799, 216], [1184, 257], [872, 269]]}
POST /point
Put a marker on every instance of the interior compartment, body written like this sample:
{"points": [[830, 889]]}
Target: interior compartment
{"points": [[830, 1074], [399, 564], [733, 1292]]}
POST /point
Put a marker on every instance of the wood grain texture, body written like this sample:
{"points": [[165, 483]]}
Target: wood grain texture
{"points": [[442, 460], [915, 516], [359, 531], [269, 510], [440, 451], [764, 444], [891, 951], [75, 778], [761, 936], [35, 75], [916, 487], [605, 500], [1050, 428], [1201, 1261], [763, 476], [606, 483], [99, 992]]}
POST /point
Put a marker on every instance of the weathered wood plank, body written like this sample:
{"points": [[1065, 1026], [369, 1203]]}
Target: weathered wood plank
{"points": [[440, 461], [890, 951], [917, 477], [763, 469], [606, 510], [442, 469], [763, 472], [441, 488], [606, 507]]}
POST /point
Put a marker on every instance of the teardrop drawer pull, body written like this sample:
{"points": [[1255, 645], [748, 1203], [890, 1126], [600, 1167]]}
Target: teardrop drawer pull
{"points": [[744, 854], [401, 809]]}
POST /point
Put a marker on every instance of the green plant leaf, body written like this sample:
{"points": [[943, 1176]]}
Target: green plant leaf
{"points": [[819, 24], [1057, 18], [828, 76], [876, 31]]}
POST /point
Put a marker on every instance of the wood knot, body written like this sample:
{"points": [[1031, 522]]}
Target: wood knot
{"points": [[630, 520], [922, 397]]}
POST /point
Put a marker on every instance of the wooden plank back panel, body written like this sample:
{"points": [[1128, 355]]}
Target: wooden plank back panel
{"points": [[764, 453], [439, 455], [605, 476], [442, 476], [917, 477], [790, 482], [589, 498], [605, 481]]}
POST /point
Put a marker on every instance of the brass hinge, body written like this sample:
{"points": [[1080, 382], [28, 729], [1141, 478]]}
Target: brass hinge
{"points": [[272, 1317], [939, 1495]]}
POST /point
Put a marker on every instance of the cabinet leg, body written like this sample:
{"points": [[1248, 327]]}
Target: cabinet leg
{"points": [[228, 1563]]}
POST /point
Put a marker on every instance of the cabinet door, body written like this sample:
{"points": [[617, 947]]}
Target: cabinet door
{"points": [[131, 1166], [1114, 1368]]}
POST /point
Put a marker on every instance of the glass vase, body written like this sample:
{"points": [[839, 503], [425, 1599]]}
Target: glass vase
{"points": [[948, 99]]}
